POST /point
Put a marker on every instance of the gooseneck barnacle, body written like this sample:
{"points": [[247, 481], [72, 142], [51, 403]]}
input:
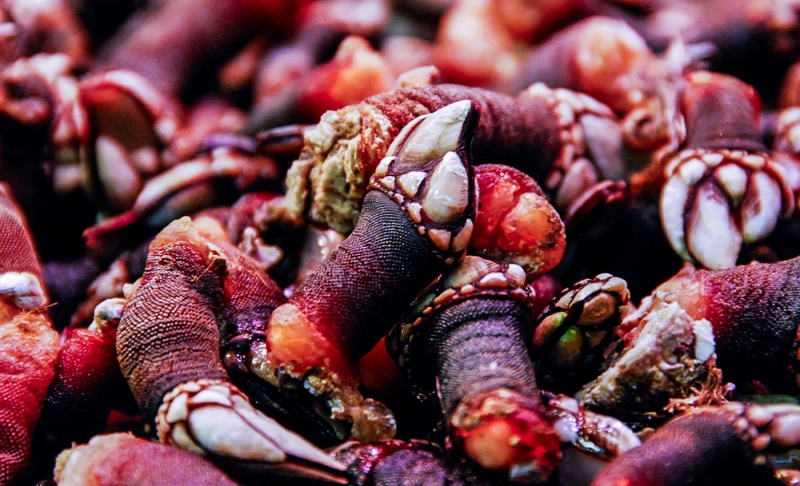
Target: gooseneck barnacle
{"points": [[174, 306], [723, 188], [416, 220], [699, 324], [572, 333], [549, 134], [466, 338], [391, 277]]}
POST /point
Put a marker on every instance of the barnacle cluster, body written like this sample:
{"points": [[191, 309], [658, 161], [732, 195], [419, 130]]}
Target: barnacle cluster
{"points": [[399, 242]]}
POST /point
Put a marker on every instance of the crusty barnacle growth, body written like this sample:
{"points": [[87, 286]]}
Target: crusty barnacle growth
{"points": [[417, 219], [326, 185], [168, 344], [671, 356], [574, 330], [746, 317]]}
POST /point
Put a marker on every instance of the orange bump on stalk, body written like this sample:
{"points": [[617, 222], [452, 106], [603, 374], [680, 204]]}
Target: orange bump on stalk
{"points": [[515, 223], [294, 341]]}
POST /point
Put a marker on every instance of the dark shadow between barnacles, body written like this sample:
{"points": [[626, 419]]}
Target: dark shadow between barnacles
{"points": [[289, 404]]}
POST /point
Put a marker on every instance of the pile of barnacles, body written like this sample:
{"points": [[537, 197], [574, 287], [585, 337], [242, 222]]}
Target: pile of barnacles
{"points": [[366, 242]]}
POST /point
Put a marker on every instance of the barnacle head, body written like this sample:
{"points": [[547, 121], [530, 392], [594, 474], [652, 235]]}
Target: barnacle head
{"points": [[573, 331], [428, 172], [722, 189], [717, 199], [130, 121]]}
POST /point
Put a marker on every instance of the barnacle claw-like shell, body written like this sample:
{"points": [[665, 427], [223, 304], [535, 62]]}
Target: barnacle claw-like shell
{"points": [[425, 172], [712, 235], [23, 289], [173, 321], [214, 418], [429, 137], [184, 188], [591, 142], [716, 200]]}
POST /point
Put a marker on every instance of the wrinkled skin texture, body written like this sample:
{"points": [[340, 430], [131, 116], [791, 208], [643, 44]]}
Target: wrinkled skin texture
{"points": [[702, 448], [30, 344], [173, 308], [327, 183], [369, 283], [754, 310], [471, 349], [413, 463]]}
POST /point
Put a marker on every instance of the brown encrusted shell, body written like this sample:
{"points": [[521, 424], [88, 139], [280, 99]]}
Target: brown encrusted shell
{"points": [[328, 182]]}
